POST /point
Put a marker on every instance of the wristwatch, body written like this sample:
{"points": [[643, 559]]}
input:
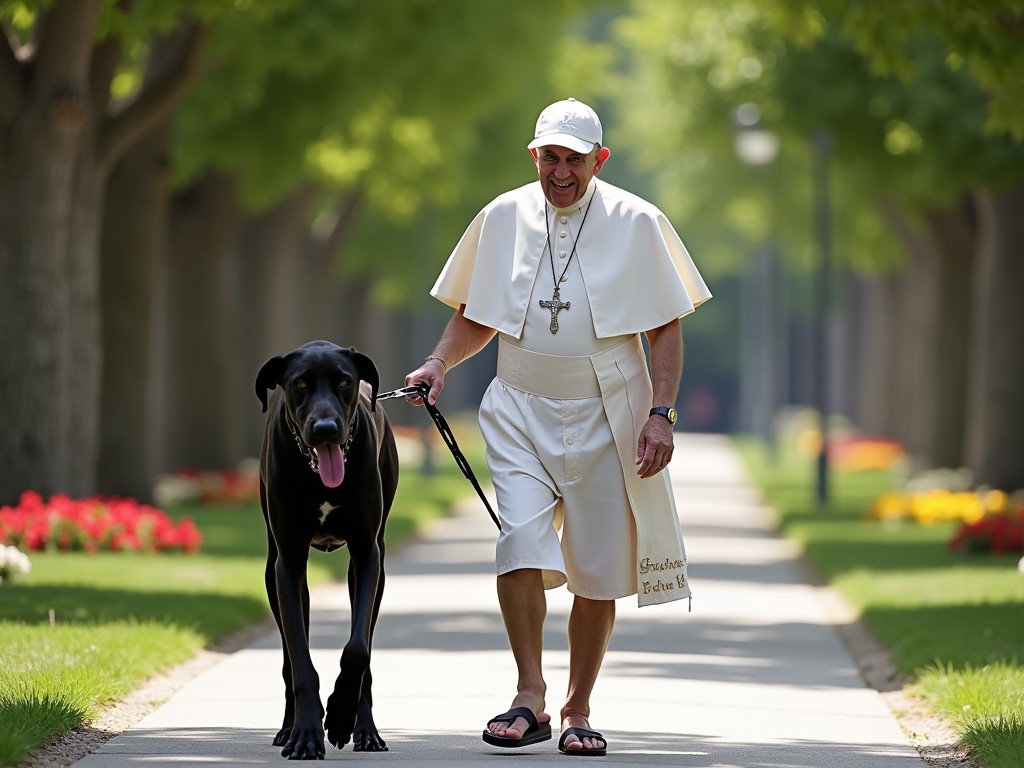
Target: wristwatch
{"points": [[664, 410]]}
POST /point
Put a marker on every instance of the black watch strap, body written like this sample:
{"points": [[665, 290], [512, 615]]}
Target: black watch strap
{"points": [[666, 411]]}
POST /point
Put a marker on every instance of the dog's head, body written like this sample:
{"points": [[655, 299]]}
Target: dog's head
{"points": [[320, 382]]}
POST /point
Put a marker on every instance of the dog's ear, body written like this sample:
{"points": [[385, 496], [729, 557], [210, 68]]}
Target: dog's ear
{"points": [[367, 372], [269, 377]]}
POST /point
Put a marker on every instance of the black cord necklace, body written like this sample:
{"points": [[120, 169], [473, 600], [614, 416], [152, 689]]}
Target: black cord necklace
{"points": [[556, 305]]}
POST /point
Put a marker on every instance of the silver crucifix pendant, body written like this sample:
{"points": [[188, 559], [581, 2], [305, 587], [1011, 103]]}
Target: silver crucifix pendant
{"points": [[555, 306]]}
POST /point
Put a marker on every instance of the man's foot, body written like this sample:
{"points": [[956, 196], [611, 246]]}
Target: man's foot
{"points": [[519, 726], [579, 740]]}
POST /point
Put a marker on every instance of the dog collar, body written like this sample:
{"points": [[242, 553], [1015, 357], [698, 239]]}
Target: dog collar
{"points": [[306, 451]]}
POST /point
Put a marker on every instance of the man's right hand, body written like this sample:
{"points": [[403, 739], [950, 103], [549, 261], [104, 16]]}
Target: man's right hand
{"points": [[430, 373]]}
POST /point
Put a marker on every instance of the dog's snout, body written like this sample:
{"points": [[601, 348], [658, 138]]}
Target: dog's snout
{"points": [[326, 430]]}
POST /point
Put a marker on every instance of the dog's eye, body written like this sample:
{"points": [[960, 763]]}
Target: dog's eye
{"points": [[345, 383], [300, 384]]}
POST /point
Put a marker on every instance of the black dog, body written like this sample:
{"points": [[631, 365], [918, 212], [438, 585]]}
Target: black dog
{"points": [[328, 475]]}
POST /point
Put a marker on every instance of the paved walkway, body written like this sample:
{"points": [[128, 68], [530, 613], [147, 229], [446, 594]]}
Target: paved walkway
{"points": [[754, 676]]}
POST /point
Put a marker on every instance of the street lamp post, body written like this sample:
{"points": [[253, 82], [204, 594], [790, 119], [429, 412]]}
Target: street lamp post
{"points": [[757, 147], [821, 144]]}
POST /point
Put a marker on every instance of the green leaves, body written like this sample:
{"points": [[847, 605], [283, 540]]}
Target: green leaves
{"points": [[896, 85], [371, 94]]}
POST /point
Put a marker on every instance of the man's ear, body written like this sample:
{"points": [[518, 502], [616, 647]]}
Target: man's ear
{"points": [[602, 154]]}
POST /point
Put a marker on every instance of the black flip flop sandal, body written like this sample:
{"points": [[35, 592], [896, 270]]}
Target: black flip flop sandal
{"points": [[582, 733], [536, 732]]}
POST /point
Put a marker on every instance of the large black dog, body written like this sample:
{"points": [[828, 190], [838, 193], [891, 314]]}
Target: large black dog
{"points": [[328, 475]]}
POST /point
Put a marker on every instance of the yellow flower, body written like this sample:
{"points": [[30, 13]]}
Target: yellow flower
{"points": [[996, 501]]}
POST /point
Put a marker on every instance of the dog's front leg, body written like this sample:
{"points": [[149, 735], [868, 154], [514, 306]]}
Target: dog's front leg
{"points": [[365, 736], [364, 574], [306, 740]]}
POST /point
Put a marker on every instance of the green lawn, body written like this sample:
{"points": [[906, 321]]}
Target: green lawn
{"points": [[82, 630], [954, 622]]}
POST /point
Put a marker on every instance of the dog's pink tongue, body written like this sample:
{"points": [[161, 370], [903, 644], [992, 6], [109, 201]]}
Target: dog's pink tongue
{"points": [[332, 464]]}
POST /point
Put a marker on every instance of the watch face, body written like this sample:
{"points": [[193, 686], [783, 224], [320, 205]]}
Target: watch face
{"points": [[668, 413]]}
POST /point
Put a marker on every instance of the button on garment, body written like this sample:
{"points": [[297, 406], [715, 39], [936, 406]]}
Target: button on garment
{"points": [[576, 335]]}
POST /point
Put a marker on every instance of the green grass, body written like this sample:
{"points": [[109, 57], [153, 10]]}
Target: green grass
{"points": [[83, 630], [55, 678], [953, 622], [986, 703]]}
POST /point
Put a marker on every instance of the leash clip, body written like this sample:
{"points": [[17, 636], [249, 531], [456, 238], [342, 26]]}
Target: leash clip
{"points": [[418, 390]]}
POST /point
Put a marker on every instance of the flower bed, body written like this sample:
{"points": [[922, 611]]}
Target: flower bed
{"points": [[989, 520], [194, 486], [859, 452], [939, 505], [94, 524], [13, 562], [999, 534]]}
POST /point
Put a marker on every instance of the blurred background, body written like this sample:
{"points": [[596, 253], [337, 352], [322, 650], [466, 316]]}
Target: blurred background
{"points": [[189, 187]]}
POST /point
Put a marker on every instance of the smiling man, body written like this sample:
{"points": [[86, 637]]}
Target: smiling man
{"points": [[568, 273]]}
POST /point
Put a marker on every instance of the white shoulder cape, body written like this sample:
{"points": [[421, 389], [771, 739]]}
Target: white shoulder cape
{"points": [[637, 272]]}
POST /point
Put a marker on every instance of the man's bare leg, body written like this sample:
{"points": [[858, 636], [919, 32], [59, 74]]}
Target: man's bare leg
{"points": [[590, 629], [523, 607]]}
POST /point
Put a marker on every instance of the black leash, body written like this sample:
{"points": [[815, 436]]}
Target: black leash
{"points": [[421, 391]]}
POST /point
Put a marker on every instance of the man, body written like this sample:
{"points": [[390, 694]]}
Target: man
{"points": [[568, 272]]}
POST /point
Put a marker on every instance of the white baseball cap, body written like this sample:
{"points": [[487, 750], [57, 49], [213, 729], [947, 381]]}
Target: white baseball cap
{"points": [[570, 124]]}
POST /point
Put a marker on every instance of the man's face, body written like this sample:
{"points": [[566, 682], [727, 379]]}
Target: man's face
{"points": [[565, 174]]}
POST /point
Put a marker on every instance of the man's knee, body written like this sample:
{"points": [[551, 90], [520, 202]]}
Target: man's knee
{"points": [[594, 608], [523, 576]]}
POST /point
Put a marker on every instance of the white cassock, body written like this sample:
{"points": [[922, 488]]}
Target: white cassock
{"points": [[633, 270]]}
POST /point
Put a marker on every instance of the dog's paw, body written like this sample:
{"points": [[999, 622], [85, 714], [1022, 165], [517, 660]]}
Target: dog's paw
{"points": [[304, 744], [368, 740], [340, 720], [282, 736], [365, 737]]}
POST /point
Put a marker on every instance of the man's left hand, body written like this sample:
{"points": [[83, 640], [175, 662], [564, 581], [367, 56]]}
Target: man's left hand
{"points": [[654, 451]]}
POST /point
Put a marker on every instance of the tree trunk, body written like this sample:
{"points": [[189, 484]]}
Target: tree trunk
{"points": [[917, 338], [201, 309], [58, 146], [980, 333], [83, 264], [272, 268], [953, 231], [40, 146], [878, 354], [134, 241], [343, 311], [133, 251], [83, 391], [997, 413], [323, 281]]}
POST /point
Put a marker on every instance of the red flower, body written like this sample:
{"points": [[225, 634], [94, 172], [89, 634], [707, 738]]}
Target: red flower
{"points": [[93, 524], [999, 534]]}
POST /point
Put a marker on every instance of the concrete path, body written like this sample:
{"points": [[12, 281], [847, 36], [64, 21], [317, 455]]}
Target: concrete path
{"points": [[754, 676]]}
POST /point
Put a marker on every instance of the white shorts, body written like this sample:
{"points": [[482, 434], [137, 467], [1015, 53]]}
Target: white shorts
{"points": [[554, 467]]}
